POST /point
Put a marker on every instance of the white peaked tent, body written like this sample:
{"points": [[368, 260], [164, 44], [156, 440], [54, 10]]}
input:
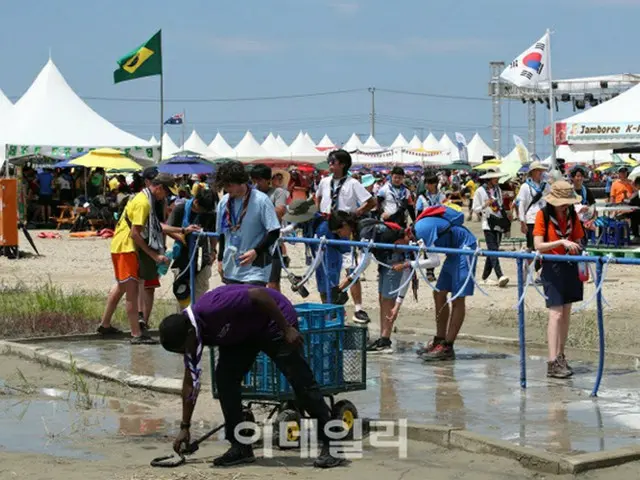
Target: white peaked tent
{"points": [[309, 139], [249, 149], [431, 143], [400, 142], [371, 144], [281, 142], [6, 108], [153, 140], [478, 149], [325, 144], [353, 144], [168, 146], [220, 148], [195, 144], [302, 149], [446, 145], [415, 143], [272, 146], [51, 119], [587, 157]]}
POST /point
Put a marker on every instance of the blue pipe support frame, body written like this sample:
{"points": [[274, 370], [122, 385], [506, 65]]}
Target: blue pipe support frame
{"points": [[519, 256], [521, 330]]}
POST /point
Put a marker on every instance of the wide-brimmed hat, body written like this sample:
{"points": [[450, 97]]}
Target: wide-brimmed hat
{"points": [[537, 166], [492, 174], [623, 168], [286, 176], [562, 193], [300, 211], [367, 180]]}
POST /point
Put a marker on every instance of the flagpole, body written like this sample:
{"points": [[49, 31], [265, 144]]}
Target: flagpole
{"points": [[551, 105], [161, 113], [184, 120]]}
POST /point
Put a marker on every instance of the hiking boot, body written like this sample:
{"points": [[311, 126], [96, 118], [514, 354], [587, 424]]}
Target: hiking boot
{"points": [[381, 345], [326, 460], [143, 340], [556, 369], [431, 275], [429, 346], [236, 455], [440, 353], [503, 281], [562, 360], [361, 317], [106, 331]]}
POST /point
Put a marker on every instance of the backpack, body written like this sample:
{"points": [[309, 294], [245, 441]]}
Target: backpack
{"points": [[380, 232], [454, 217]]}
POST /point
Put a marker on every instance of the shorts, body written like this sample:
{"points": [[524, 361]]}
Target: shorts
{"points": [[276, 270], [148, 270], [350, 260], [228, 281], [530, 236], [454, 273], [128, 266], [388, 281], [45, 200], [561, 283]]}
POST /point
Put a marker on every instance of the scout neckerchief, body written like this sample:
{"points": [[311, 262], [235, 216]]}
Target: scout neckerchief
{"points": [[556, 227], [432, 199], [234, 222], [583, 194], [336, 187]]}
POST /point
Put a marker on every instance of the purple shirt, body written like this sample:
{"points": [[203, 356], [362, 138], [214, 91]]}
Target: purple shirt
{"points": [[227, 316]]}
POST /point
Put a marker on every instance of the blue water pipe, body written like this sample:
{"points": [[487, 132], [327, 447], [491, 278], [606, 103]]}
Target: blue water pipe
{"points": [[520, 258]]}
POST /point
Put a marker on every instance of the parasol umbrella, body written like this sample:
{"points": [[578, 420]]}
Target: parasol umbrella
{"points": [[488, 165], [186, 163], [107, 158]]}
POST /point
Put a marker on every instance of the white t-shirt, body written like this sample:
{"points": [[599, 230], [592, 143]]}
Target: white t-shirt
{"points": [[392, 197], [352, 194]]}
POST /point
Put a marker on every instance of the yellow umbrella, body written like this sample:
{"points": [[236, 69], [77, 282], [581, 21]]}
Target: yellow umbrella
{"points": [[489, 164], [107, 158]]}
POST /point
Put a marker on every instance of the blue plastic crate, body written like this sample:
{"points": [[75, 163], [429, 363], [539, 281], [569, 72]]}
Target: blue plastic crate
{"points": [[318, 316]]}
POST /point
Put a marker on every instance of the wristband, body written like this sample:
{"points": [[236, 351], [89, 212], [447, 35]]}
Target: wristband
{"points": [[184, 425]]}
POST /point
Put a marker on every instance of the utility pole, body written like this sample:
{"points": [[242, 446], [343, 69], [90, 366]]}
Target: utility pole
{"points": [[532, 127], [495, 91], [372, 90]]}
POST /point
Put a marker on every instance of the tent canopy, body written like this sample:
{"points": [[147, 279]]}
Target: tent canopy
{"points": [[249, 149], [400, 142], [415, 143], [220, 147], [325, 144], [50, 116], [272, 146], [302, 149], [195, 144], [353, 144], [431, 143], [371, 144], [478, 149], [168, 146], [447, 145], [281, 142]]}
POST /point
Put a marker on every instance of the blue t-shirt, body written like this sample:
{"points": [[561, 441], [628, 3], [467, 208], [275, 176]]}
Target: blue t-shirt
{"points": [[433, 232], [260, 219], [332, 260], [45, 180]]}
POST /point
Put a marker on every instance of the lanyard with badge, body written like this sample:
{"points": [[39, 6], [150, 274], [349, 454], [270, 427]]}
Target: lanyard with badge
{"points": [[235, 218]]}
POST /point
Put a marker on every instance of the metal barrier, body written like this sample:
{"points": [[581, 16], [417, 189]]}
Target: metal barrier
{"points": [[520, 257]]}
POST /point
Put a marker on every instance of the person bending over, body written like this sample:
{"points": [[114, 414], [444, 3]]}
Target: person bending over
{"points": [[242, 320]]}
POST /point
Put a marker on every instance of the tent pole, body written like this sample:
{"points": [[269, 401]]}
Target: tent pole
{"points": [[184, 120]]}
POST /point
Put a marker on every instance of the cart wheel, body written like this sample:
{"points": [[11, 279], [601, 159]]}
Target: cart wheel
{"points": [[290, 418], [247, 416], [347, 412]]}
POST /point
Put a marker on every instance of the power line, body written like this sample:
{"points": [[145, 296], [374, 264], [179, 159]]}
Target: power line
{"points": [[433, 95]]}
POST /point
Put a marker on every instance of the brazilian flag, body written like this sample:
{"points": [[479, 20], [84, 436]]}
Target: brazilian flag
{"points": [[144, 61]]}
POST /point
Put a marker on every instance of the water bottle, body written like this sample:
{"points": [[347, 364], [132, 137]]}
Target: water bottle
{"points": [[163, 268], [583, 270]]}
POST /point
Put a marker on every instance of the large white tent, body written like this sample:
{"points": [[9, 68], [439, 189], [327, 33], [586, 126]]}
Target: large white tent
{"points": [[415, 143], [281, 142], [249, 149], [6, 108], [371, 145], [400, 142], [153, 140], [220, 148], [611, 124], [477, 149], [447, 145], [272, 146], [586, 157], [325, 144], [50, 119], [195, 144], [431, 143], [353, 144], [302, 149], [309, 139], [168, 146]]}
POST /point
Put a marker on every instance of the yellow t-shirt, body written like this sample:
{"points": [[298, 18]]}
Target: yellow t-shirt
{"points": [[472, 187], [197, 186], [137, 211]]}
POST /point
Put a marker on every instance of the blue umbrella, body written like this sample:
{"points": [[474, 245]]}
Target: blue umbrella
{"points": [[186, 168]]}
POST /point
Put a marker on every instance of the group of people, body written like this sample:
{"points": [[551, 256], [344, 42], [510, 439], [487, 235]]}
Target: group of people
{"points": [[243, 317]]}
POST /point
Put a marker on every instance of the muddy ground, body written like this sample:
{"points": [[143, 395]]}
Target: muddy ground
{"points": [[125, 454]]}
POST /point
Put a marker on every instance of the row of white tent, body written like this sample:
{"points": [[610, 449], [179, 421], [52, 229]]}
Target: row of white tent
{"points": [[51, 119]]}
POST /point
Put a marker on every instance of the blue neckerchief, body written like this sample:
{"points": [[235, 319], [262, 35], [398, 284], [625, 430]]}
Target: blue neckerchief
{"points": [[537, 189], [583, 194]]}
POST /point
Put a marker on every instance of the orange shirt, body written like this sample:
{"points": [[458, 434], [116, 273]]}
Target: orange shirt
{"points": [[621, 191], [540, 229]]}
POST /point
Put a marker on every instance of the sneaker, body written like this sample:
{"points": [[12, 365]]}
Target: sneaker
{"points": [[236, 455], [381, 345], [326, 460], [440, 352], [489, 282], [361, 317], [143, 325], [555, 369], [109, 330], [429, 346], [503, 281], [143, 340], [562, 360], [431, 275]]}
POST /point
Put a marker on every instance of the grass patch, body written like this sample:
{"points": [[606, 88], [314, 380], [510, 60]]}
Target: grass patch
{"points": [[47, 310]]}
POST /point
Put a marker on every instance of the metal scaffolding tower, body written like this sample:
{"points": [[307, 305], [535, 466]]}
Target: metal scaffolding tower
{"points": [[532, 127], [495, 91]]}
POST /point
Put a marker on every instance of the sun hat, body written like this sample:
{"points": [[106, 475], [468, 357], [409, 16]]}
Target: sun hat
{"points": [[367, 180], [537, 166], [492, 174], [286, 176], [300, 211], [562, 193]]}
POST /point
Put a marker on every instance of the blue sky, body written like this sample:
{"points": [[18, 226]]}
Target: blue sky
{"points": [[231, 49]]}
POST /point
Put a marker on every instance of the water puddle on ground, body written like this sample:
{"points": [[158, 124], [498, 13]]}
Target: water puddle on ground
{"points": [[59, 423]]}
